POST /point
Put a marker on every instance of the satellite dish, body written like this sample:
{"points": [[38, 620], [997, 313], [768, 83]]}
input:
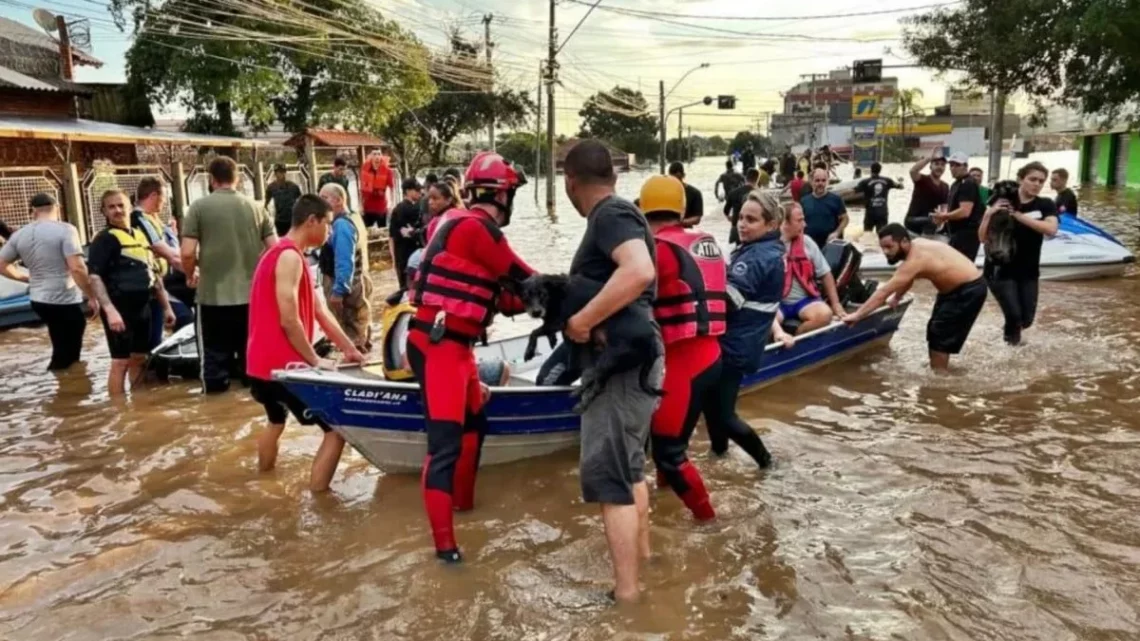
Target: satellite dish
{"points": [[45, 19]]}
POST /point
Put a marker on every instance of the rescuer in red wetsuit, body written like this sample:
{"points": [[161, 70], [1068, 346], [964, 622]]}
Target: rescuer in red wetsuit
{"points": [[456, 293], [690, 308]]}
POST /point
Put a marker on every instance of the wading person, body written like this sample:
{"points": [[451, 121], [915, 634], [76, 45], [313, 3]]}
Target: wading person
{"points": [[1014, 282], [805, 269], [56, 276], [965, 208], [824, 212], [755, 280], [124, 279], [1066, 200], [338, 175], [616, 249], [283, 193], [456, 292], [961, 289], [930, 193], [404, 229], [376, 180], [730, 179], [283, 309], [690, 309], [147, 218], [344, 270], [983, 192], [694, 200], [875, 191], [223, 236]]}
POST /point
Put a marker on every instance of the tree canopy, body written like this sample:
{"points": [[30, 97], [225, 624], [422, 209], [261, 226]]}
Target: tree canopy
{"points": [[1078, 52], [621, 116]]}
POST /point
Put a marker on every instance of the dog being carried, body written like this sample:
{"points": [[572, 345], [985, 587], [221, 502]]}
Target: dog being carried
{"points": [[1000, 245], [622, 343]]}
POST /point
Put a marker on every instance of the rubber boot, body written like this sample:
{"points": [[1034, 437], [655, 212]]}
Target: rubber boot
{"points": [[697, 497], [662, 482], [466, 468], [437, 504]]}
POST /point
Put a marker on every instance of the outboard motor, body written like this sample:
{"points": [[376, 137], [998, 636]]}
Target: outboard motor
{"points": [[845, 258]]}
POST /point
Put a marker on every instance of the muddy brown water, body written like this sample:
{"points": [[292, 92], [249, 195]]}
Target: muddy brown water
{"points": [[997, 503]]}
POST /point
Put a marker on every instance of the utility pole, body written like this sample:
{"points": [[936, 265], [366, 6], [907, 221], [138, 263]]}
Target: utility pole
{"points": [[538, 135], [661, 127], [680, 119], [689, 145], [997, 127], [551, 75], [488, 45]]}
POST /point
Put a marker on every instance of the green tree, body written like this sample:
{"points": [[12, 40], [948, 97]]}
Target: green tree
{"points": [[1079, 52], [903, 112], [621, 117], [217, 62], [748, 139], [716, 146], [520, 148]]}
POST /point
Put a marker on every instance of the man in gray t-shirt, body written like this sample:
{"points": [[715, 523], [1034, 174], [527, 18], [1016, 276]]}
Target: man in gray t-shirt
{"points": [[807, 270], [56, 277]]}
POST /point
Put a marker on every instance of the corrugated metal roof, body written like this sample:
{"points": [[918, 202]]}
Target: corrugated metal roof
{"points": [[23, 34], [13, 78], [333, 138], [80, 130]]}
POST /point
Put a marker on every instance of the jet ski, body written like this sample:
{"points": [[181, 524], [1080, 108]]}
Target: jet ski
{"points": [[15, 306]]}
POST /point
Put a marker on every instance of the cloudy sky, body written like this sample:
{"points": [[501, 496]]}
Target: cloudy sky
{"points": [[755, 53]]}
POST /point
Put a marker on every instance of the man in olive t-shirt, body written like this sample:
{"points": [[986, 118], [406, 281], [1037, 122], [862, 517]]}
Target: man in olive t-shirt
{"points": [[223, 236]]}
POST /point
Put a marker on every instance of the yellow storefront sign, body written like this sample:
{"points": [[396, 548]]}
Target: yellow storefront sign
{"points": [[919, 129]]}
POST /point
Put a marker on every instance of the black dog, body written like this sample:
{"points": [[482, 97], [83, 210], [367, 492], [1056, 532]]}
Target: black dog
{"points": [[623, 342], [1000, 246]]}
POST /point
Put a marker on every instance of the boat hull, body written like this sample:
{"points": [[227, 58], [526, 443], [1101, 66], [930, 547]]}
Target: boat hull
{"points": [[16, 311], [383, 420]]}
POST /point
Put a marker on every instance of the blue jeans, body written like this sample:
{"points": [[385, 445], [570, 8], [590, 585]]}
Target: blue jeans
{"points": [[183, 316]]}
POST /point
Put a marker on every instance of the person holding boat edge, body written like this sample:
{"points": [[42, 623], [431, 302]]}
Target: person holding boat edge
{"points": [[961, 290], [457, 293], [617, 249], [690, 308], [805, 267], [282, 311]]}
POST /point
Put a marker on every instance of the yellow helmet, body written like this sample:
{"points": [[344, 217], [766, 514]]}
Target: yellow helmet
{"points": [[663, 194]]}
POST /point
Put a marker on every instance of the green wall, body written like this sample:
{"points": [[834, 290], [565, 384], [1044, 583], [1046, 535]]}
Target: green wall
{"points": [[1083, 164], [1134, 159], [1104, 159]]}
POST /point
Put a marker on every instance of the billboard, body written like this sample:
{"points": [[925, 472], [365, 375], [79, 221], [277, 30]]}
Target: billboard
{"points": [[865, 107]]}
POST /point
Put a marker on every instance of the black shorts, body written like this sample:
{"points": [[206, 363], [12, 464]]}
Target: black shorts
{"points": [[376, 219], [953, 316], [135, 337], [875, 220], [279, 403]]}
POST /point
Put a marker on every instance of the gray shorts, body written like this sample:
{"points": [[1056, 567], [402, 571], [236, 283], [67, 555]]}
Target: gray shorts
{"points": [[615, 429]]}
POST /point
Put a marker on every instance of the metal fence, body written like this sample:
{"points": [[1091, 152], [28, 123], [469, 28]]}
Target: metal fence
{"points": [[353, 185], [102, 177], [18, 185], [296, 174], [198, 182]]}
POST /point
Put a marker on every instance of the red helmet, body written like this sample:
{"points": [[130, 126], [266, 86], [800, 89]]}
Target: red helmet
{"points": [[487, 176]]}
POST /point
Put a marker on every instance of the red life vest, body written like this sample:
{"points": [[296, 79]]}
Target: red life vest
{"points": [[268, 347], [458, 286], [695, 304], [798, 266]]}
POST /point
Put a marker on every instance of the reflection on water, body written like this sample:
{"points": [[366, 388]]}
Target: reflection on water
{"points": [[996, 503]]}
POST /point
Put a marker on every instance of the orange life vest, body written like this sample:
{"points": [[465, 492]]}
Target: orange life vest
{"points": [[695, 304], [458, 286], [798, 266]]}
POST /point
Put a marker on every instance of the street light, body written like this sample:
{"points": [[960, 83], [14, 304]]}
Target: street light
{"points": [[706, 101], [661, 107]]}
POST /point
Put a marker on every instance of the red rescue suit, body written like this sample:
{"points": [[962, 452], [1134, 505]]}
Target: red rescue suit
{"points": [[690, 307], [457, 295], [799, 267]]}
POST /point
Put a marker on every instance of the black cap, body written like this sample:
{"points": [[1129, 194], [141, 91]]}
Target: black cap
{"points": [[42, 199], [279, 167], [410, 183], [339, 162]]}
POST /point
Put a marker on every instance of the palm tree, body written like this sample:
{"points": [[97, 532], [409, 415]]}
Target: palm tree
{"points": [[904, 108]]}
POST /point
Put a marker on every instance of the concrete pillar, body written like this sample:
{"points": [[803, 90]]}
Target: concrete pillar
{"points": [[178, 202], [259, 181], [73, 201]]}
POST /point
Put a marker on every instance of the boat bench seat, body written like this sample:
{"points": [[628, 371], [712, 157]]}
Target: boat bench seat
{"points": [[527, 377]]}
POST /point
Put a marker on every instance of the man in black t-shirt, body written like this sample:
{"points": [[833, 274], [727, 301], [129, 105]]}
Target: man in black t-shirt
{"points": [[734, 201], [694, 200], [617, 249], [730, 179], [404, 229], [875, 190], [284, 194], [965, 208], [930, 193], [1066, 200]]}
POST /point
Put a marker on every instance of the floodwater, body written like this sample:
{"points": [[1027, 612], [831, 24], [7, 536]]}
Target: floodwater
{"points": [[998, 503]]}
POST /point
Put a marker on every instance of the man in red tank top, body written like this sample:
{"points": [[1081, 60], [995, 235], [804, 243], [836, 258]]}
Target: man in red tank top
{"points": [[283, 309], [690, 307], [457, 294]]}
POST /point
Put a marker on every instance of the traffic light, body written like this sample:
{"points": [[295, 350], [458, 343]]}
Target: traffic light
{"points": [[726, 102], [868, 70]]}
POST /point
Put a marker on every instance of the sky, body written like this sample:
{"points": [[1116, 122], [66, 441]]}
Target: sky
{"points": [[611, 48]]}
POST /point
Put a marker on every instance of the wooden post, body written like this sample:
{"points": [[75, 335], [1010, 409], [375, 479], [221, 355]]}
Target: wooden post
{"points": [[178, 204], [311, 161], [73, 201], [258, 180]]}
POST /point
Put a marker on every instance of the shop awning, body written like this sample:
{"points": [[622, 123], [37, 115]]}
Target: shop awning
{"points": [[79, 130]]}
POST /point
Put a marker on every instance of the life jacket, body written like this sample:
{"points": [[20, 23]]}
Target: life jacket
{"points": [[457, 286], [695, 303], [799, 269], [375, 179], [394, 326], [162, 266], [327, 260], [134, 271]]}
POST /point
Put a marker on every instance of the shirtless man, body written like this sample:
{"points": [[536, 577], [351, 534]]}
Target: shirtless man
{"points": [[961, 289]]}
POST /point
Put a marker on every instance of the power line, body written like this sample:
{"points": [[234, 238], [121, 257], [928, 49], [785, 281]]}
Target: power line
{"points": [[877, 12]]}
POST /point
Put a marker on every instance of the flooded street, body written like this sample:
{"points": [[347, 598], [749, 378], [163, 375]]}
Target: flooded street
{"points": [[1002, 502]]}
